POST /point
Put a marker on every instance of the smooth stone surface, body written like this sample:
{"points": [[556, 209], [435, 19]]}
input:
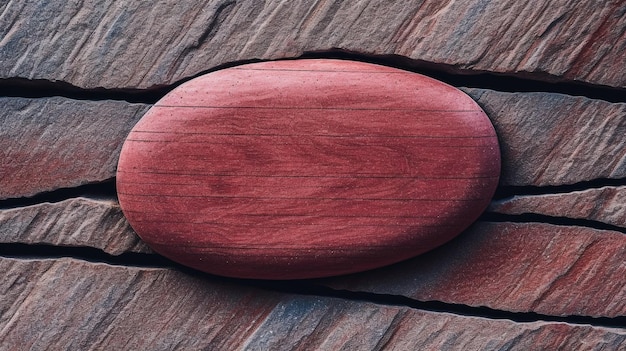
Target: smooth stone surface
{"points": [[306, 168]]}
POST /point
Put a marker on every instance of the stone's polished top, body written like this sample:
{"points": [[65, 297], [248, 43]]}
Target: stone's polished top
{"points": [[306, 168]]}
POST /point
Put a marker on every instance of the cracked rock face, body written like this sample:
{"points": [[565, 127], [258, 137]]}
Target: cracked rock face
{"points": [[78, 142], [105, 306], [138, 45], [521, 267], [73, 222], [555, 139], [56, 142], [564, 161], [606, 205]]}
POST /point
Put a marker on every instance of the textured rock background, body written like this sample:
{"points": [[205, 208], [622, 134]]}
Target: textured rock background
{"points": [[545, 268], [138, 45]]}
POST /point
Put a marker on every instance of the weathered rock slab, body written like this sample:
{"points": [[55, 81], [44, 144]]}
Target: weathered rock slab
{"points": [[520, 267], [52, 143], [98, 306], [555, 139], [606, 205], [77, 222], [139, 45], [546, 139], [548, 269]]}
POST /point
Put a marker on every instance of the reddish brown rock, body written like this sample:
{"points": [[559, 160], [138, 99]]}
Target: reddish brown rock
{"points": [[543, 268], [135, 44], [80, 141], [104, 307], [606, 205], [306, 168], [77, 222], [554, 139], [52, 143]]}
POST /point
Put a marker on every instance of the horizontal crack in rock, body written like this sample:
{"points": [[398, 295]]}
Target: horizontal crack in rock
{"points": [[297, 287], [89, 254], [102, 190], [305, 288], [509, 191], [505, 82], [541, 218]]}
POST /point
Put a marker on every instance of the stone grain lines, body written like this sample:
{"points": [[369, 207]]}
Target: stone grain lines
{"points": [[543, 268]]}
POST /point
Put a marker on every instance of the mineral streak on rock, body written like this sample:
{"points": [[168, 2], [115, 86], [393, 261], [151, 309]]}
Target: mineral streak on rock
{"points": [[98, 306], [522, 267], [78, 222], [139, 45], [606, 205], [555, 139], [52, 143]]}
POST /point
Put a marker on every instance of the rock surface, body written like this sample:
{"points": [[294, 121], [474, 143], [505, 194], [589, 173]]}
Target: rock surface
{"points": [[522, 267], [79, 141], [606, 205], [547, 139], [542, 268], [139, 45], [98, 306], [52, 143], [554, 139], [76, 222]]}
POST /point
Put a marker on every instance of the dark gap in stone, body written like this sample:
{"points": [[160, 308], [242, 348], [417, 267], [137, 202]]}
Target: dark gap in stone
{"points": [[89, 254], [302, 288], [541, 218], [295, 287], [104, 190], [505, 82], [504, 192], [41, 88]]}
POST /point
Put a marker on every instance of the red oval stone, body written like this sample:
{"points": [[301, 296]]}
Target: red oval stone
{"points": [[306, 168]]}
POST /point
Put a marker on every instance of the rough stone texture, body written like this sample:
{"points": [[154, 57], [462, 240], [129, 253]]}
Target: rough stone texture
{"points": [[606, 205], [543, 268], [52, 143], [553, 139], [78, 142], [537, 266], [98, 306], [73, 222], [547, 139], [137, 44]]}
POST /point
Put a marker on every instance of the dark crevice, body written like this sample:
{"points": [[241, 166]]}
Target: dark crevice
{"points": [[295, 287], [505, 82], [504, 192], [545, 219], [102, 190], [40, 88], [89, 254], [438, 306]]}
